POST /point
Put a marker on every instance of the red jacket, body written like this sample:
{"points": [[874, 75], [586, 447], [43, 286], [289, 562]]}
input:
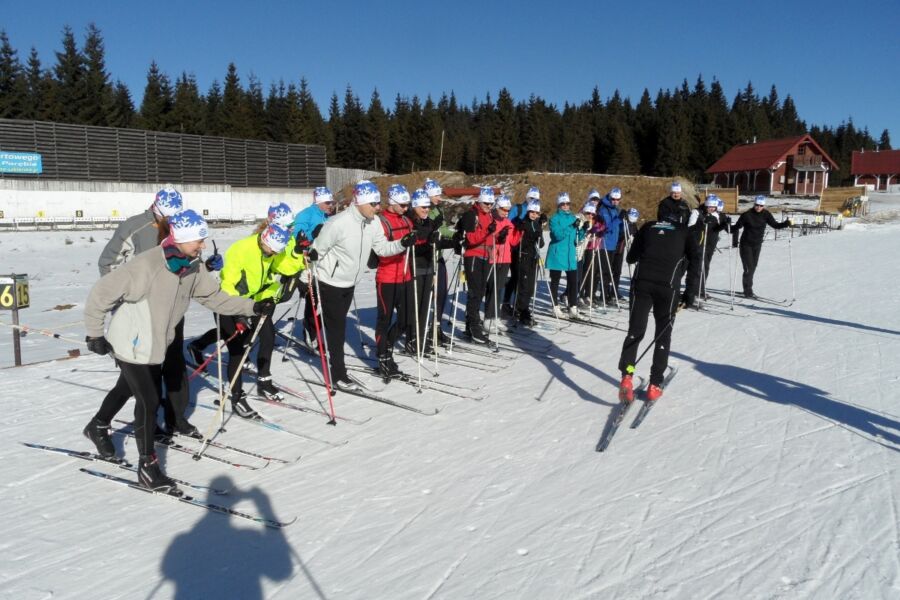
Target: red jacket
{"points": [[394, 269], [503, 252], [479, 241]]}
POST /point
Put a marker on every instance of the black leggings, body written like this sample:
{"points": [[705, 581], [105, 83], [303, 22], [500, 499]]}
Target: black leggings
{"points": [[662, 300], [571, 286], [145, 382]]}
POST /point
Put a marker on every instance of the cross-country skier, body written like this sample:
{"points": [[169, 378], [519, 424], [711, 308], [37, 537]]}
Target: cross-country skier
{"points": [[609, 212], [505, 238], [708, 222], [565, 233], [437, 218], [674, 208], [307, 225], [478, 227], [146, 298], [527, 255], [753, 222], [517, 215], [338, 257], [663, 250]]}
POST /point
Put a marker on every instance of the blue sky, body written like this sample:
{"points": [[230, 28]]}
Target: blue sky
{"points": [[837, 59]]}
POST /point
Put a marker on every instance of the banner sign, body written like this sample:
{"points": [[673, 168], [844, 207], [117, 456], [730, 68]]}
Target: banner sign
{"points": [[21, 162]]}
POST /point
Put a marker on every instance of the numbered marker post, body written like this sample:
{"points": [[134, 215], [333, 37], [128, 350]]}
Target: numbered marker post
{"points": [[13, 296]]}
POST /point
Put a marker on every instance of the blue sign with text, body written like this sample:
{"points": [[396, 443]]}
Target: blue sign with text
{"points": [[21, 162]]}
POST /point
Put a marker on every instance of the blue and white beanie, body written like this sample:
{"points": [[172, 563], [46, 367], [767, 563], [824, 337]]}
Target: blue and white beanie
{"points": [[168, 202], [533, 206], [275, 237], [322, 195], [486, 195], [563, 198], [615, 194], [590, 208], [366, 192], [187, 226], [503, 202], [533, 193], [593, 194], [760, 201], [721, 206], [398, 194], [712, 201], [421, 199], [675, 187], [633, 215], [433, 188], [282, 214]]}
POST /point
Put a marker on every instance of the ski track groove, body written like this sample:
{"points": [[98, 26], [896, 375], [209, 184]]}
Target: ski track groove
{"points": [[397, 531], [895, 518]]}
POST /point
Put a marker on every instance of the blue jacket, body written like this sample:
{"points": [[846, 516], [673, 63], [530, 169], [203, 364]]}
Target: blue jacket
{"points": [[563, 238], [518, 212], [308, 219], [612, 216]]}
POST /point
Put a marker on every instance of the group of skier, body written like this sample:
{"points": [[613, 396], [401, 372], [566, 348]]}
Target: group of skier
{"points": [[151, 268]]}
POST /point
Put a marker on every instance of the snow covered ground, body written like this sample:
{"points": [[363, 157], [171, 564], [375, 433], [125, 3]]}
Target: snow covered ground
{"points": [[768, 470]]}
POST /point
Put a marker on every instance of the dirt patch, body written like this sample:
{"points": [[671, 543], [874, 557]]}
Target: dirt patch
{"points": [[61, 307], [638, 191]]}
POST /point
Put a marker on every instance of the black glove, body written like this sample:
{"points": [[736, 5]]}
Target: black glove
{"points": [[576, 224], [98, 345], [264, 307], [541, 242], [586, 225], [408, 240], [312, 255], [492, 227], [289, 284], [317, 230], [501, 237], [542, 218], [301, 243], [435, 237], [215, 262]]}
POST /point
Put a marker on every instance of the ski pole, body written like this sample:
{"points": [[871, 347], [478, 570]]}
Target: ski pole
{"points": [[290, 342], [550, 290], [791, 262], [437, 316], [702, 290], [217, 353], [461, 279], [322, 339], [220, 413], [733, 262], [46, 332], [612, 281], [362, 344], [416, 316], [494, 285]]}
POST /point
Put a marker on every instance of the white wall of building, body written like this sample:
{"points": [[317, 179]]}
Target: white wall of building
{"points": [[27, 199]]}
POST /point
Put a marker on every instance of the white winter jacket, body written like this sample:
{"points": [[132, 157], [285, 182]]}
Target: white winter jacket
{"points": [[344, 244]]}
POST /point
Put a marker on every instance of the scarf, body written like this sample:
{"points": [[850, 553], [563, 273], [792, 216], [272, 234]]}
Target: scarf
{"points": [[176, 262]]}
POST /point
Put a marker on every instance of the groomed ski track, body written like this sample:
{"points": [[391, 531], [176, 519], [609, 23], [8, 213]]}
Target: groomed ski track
{"points": [[769, 469]]}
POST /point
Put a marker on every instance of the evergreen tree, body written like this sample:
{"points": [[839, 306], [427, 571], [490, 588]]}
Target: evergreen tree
{"points": [[277, 112], [188, 108], [378, 133], [71, 91], [502, 151], [213, 118], [255, 107], [884, 142], [98, 102], [14, 100], [646, 132], [307, 125], [34, 75], [790, 121], [428, 136], [237, 119], [157, 102], [121, 113], [350, 139], [536, 144], [335, 130], [624, 157], [673, 147]]}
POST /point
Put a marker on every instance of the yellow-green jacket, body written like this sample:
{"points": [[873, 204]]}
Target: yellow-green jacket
{"points": [[248, 272]]}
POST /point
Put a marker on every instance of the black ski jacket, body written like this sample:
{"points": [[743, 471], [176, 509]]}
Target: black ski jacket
{"points": [[674, 211], [663, 251], [710, 226], [532, 237], [754, 226]]}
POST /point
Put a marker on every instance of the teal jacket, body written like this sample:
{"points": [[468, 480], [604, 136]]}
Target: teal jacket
{"points": [[563, 239]]}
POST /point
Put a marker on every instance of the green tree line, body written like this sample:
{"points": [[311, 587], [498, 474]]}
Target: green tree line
{"points": [[678, 131]]}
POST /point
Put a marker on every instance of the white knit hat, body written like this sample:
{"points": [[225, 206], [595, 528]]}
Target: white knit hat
{"points": [[590, 208], [563, 198], [533, 206], [322, 194], [168, 202], [275, 237], [503, 202], [398, 194], [187, 226], [433, 188], [675, 187], [366, 192], [486, 195], [421, 199]]}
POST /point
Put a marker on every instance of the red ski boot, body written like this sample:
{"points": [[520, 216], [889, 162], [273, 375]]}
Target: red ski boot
{"points": [[626, 389], [654, 392]]}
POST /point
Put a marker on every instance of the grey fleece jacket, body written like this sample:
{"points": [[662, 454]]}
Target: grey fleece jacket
{"points": [[147, 301], [133, 235]]}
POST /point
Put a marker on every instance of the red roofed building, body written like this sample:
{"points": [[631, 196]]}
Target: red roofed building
{"points": [[878, 169], [795, 165]]}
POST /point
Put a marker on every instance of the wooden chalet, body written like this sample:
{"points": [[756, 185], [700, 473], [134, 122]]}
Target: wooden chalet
{"points": [[878, 169], [795, 166]]}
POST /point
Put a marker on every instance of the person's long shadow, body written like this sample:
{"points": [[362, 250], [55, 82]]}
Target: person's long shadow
{"points": [[779, 390], [792, 314], [215, 559]]}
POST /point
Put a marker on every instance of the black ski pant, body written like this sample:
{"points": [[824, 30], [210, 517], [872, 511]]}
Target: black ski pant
{"points": [[173, 373], [512, 284], [663, 300], [590, 276], [617, 258], [527, 279], [749, 258], [499, 273], [442, 289], [478, 270], [425, 301], [392, 297], [335, 305], [145, 382], [605, 257], [571, 286]]}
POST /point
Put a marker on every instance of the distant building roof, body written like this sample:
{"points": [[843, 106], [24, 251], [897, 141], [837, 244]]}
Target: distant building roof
{"points": [[875, 163], [762, 155]]}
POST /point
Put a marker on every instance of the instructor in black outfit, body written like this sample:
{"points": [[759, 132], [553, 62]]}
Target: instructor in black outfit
{"points": [[754, 223], [663, 250]]}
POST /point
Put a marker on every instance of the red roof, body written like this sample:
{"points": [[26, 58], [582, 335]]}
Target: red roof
{"points": [[762, 155], [886, 162]]}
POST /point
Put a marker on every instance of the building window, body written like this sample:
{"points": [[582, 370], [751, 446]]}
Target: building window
{"points": [[801, 150]]}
